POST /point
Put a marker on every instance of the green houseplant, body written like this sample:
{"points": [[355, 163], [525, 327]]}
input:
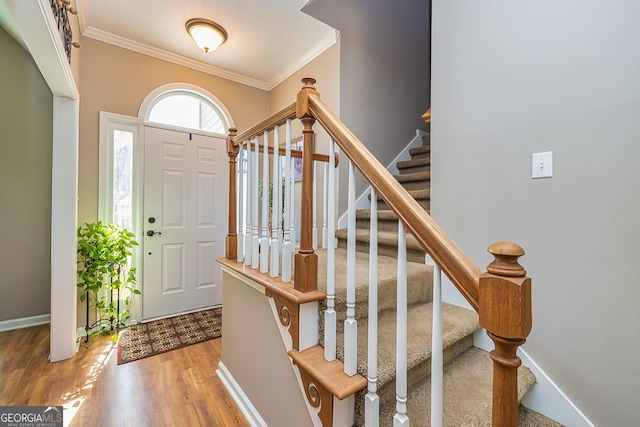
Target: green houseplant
{"points": [[104, 276]]}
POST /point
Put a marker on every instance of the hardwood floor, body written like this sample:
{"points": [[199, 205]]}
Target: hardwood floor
{"points": [[178, 388]]}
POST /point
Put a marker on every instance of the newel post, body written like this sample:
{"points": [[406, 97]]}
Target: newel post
{"points": [[306, 261], [232, 235], [505, 312]]}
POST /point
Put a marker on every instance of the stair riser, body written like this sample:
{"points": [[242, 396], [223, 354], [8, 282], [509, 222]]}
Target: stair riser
{"points": [[383, 225], [413, 255], [420, 156], [414, 169], [425, 203], [416, 185], [387, 392]]}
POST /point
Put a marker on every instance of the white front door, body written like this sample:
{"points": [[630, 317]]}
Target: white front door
{"points": [[186, 183]]}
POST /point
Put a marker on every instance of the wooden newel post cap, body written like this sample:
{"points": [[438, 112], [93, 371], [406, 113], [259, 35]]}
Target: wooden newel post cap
{"points": [[232, 148], [506, 256], [302, 100], [505, 294]]}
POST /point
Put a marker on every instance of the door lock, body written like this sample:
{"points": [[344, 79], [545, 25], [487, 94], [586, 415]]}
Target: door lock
{"points": [[151, 233]]}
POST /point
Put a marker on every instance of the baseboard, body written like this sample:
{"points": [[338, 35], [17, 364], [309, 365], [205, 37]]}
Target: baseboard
{"points": [[246, 407], [545, 396], [24, 322]]}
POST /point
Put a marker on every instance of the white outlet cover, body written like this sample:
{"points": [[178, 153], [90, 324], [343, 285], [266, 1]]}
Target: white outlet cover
{"points": [[542, 165]]}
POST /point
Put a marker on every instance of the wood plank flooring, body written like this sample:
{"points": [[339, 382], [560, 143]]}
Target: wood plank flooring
{"points": [[178, 388]]}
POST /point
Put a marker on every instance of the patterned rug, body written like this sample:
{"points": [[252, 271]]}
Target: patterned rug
{"points": [[159, 336]]}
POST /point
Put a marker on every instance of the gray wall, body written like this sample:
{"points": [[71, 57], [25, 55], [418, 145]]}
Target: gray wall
{"points": [[384, 71], [513, 78], [26, 111]]}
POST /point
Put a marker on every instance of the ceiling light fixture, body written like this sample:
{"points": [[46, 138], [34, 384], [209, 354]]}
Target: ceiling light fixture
{"points": [[207, 34]]}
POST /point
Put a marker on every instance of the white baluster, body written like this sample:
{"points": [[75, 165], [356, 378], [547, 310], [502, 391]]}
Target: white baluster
{"points": [[240, 209], [248, 241], [292, 205], [400, 418], [350, 323], [324, 204], [275, 209], [436, 350], [372, 401], [314, 214], [264, 239], [255, 239], [330, 313], [286, 233]]}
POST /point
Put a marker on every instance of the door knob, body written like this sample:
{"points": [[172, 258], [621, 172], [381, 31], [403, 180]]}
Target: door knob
{"points": [[152, 233]]}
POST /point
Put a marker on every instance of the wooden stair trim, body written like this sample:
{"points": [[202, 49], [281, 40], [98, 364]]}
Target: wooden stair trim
{"points": [[289, 316], [272, 284], [460, 269], [329, 375]]}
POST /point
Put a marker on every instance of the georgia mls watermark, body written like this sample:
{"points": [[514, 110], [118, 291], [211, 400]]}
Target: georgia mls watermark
{"points": [[30, 416]]}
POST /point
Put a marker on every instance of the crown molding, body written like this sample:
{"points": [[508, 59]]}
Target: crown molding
{"points": [[144, 49], [324, 44]]}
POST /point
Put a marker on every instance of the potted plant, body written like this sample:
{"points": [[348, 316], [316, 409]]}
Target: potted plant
{"points": [[104, 276]]}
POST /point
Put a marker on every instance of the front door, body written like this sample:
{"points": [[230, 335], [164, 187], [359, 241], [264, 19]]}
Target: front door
{"points": [[185, 207]]}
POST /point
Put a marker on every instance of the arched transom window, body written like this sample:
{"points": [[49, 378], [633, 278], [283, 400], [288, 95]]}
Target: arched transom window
{"points": [[187, 109]]}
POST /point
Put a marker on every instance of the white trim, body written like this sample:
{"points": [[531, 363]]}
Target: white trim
{"points": [[149, 101], [24, 322], [362, 202], [64, 223], [109, 122], [244, 280], [106, 37], [154, 52], [324, 44], [34, 20], [545, 396], [237, 394]]}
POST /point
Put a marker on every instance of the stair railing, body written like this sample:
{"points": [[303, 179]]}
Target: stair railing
{"points": [[501, 296]]}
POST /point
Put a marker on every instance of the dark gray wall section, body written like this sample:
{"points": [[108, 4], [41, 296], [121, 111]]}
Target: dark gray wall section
{"points": [[384, 70], [26, 134]]}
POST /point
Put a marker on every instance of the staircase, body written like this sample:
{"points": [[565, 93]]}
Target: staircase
{"points": [[468, 370]]}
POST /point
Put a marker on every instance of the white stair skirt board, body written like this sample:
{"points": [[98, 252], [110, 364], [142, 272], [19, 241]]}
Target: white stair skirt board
{"points": [[545, 396], [24, 322], [246, 407]]}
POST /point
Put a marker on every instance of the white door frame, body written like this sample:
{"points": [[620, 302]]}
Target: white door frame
{"points": [[137, 125]]}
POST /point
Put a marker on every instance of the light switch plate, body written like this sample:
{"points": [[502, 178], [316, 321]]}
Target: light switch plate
{"points": [[542, 165]]}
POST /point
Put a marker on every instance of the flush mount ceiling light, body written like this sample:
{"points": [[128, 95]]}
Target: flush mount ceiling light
{"points": [[207, 34]]}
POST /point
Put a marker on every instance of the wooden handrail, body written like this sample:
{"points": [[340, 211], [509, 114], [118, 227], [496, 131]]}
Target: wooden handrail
{"points": [[298, 154], [276, 119], [457, 266]]}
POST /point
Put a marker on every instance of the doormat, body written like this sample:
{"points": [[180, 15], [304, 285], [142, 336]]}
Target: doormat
{"points": [[159, 336]]}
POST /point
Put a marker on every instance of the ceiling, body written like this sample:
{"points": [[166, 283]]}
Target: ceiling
{"points": [[268, 40]]}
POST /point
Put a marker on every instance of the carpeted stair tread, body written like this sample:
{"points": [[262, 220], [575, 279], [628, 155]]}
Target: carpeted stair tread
{"points": [[411, 177], [420, 276], [419, 152], [406, 164], [383, 214], [416, 194], [530, 418], [458, 323], [387, 238], [467, 393]]}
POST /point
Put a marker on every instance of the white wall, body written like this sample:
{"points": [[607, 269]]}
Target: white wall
{"points": [[513, 78], [256, 357]]}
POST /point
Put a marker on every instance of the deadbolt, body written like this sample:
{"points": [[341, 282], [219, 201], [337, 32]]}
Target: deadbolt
{"points": [[152, 220]]}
